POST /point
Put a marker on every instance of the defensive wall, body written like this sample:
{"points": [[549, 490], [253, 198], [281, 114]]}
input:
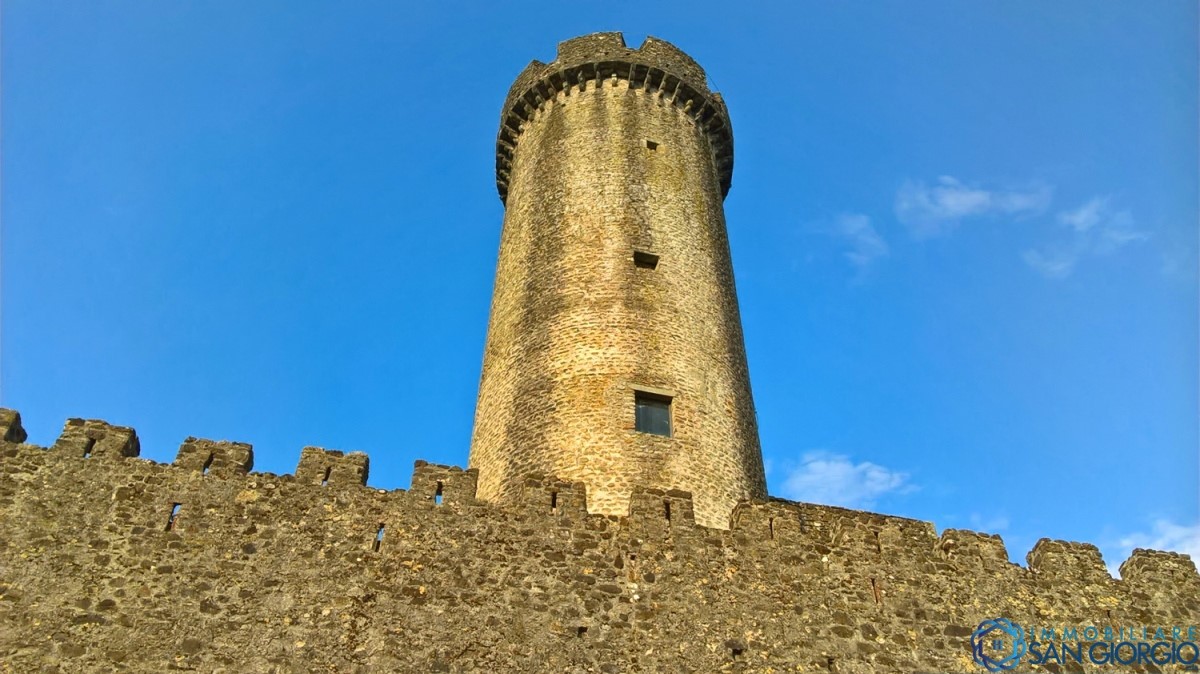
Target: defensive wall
{"points": [[109, 562]]}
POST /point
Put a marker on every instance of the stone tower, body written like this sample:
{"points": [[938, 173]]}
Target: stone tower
{"points": [[614, 351]]}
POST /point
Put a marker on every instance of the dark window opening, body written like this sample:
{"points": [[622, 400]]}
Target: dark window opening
{"points": [[554, 502], [651, 145], [580, 631], [207, 463], [87, 448], [437, 496], [378, 537], [174, 513], [667, 510], [771, 526], [653, 413], [325, 480], [645, 260]]}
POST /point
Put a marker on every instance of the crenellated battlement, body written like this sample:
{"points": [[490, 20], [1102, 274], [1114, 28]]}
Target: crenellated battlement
{"points": [[1067, 559], [330, 467], [657, 67], [651, 510], [203, 563], [90, 437], [220, 459]]}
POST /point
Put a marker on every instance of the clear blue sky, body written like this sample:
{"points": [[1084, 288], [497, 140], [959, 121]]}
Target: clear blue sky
{"points": [[964, 235]]}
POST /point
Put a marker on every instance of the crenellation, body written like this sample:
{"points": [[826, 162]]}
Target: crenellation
{"points": [[664, 510], [974, 550], [770, 520], [263, 557], [443, 484], [10, 426], [553, 496], [328, 467], [596, 45], [217, 458], [614, 514], [657, 67], [1154, 567], [88, 438], [1067, 559]]}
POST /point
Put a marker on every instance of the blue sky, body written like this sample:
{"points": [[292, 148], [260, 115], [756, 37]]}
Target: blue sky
{"points": [[964, 236]]}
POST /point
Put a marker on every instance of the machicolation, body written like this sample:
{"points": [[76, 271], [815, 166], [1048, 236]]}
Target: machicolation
{"points": [[614, 515]]}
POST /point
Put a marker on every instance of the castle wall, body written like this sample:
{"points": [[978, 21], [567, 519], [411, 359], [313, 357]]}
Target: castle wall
{"points": [[317, 572], [614, 155]]}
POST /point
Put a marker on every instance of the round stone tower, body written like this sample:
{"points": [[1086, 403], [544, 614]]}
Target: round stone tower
{"points": [[614, 351]]}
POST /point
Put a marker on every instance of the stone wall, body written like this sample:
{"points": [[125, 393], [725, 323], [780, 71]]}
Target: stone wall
{"points": [[109, 562], [605, 153]]}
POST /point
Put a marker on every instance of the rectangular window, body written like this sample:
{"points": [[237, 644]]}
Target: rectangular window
{"points": [[651, 145], [653, 413], [645, 260]]}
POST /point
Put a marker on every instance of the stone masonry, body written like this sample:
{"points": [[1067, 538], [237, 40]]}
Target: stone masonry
{"points": [[573, 543], [109, 562], [602, 154]]}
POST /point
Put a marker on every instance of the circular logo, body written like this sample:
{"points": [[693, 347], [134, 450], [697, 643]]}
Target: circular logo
{"points": [[998, 645]]}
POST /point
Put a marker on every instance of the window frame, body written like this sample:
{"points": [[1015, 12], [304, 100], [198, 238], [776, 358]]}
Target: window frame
{"points": [[643, 395]]}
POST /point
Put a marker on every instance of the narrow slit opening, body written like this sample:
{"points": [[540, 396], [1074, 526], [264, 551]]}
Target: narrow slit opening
{"points": [[171, 518], [87, 448], [771, 526], [437, 496], [325, 479], [554, 502], [378, 537], [667, 510], [208, 463]]}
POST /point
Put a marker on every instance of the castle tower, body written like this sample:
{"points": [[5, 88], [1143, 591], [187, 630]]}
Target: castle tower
{"points": [[614, 352]]}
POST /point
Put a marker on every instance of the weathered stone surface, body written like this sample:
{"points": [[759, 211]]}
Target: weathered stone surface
{"points": [[275, 573], [605, 152], [113, 563]]}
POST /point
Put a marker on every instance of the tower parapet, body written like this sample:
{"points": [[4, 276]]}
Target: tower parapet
{"points": [[656, 67]]}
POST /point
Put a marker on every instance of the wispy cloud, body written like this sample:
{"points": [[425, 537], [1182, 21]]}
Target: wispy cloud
{"points": [[1093, 228], [934, 210], [993, 524], [835, 479], [1164, 534], [866, 245]]}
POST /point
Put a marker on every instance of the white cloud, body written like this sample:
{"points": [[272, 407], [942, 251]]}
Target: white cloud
{"points": [[1086, 216], [866, 245], [1095, 228], [934, 210], [1052, 263], [834, 479], [1163, 535], [992, 524]]}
